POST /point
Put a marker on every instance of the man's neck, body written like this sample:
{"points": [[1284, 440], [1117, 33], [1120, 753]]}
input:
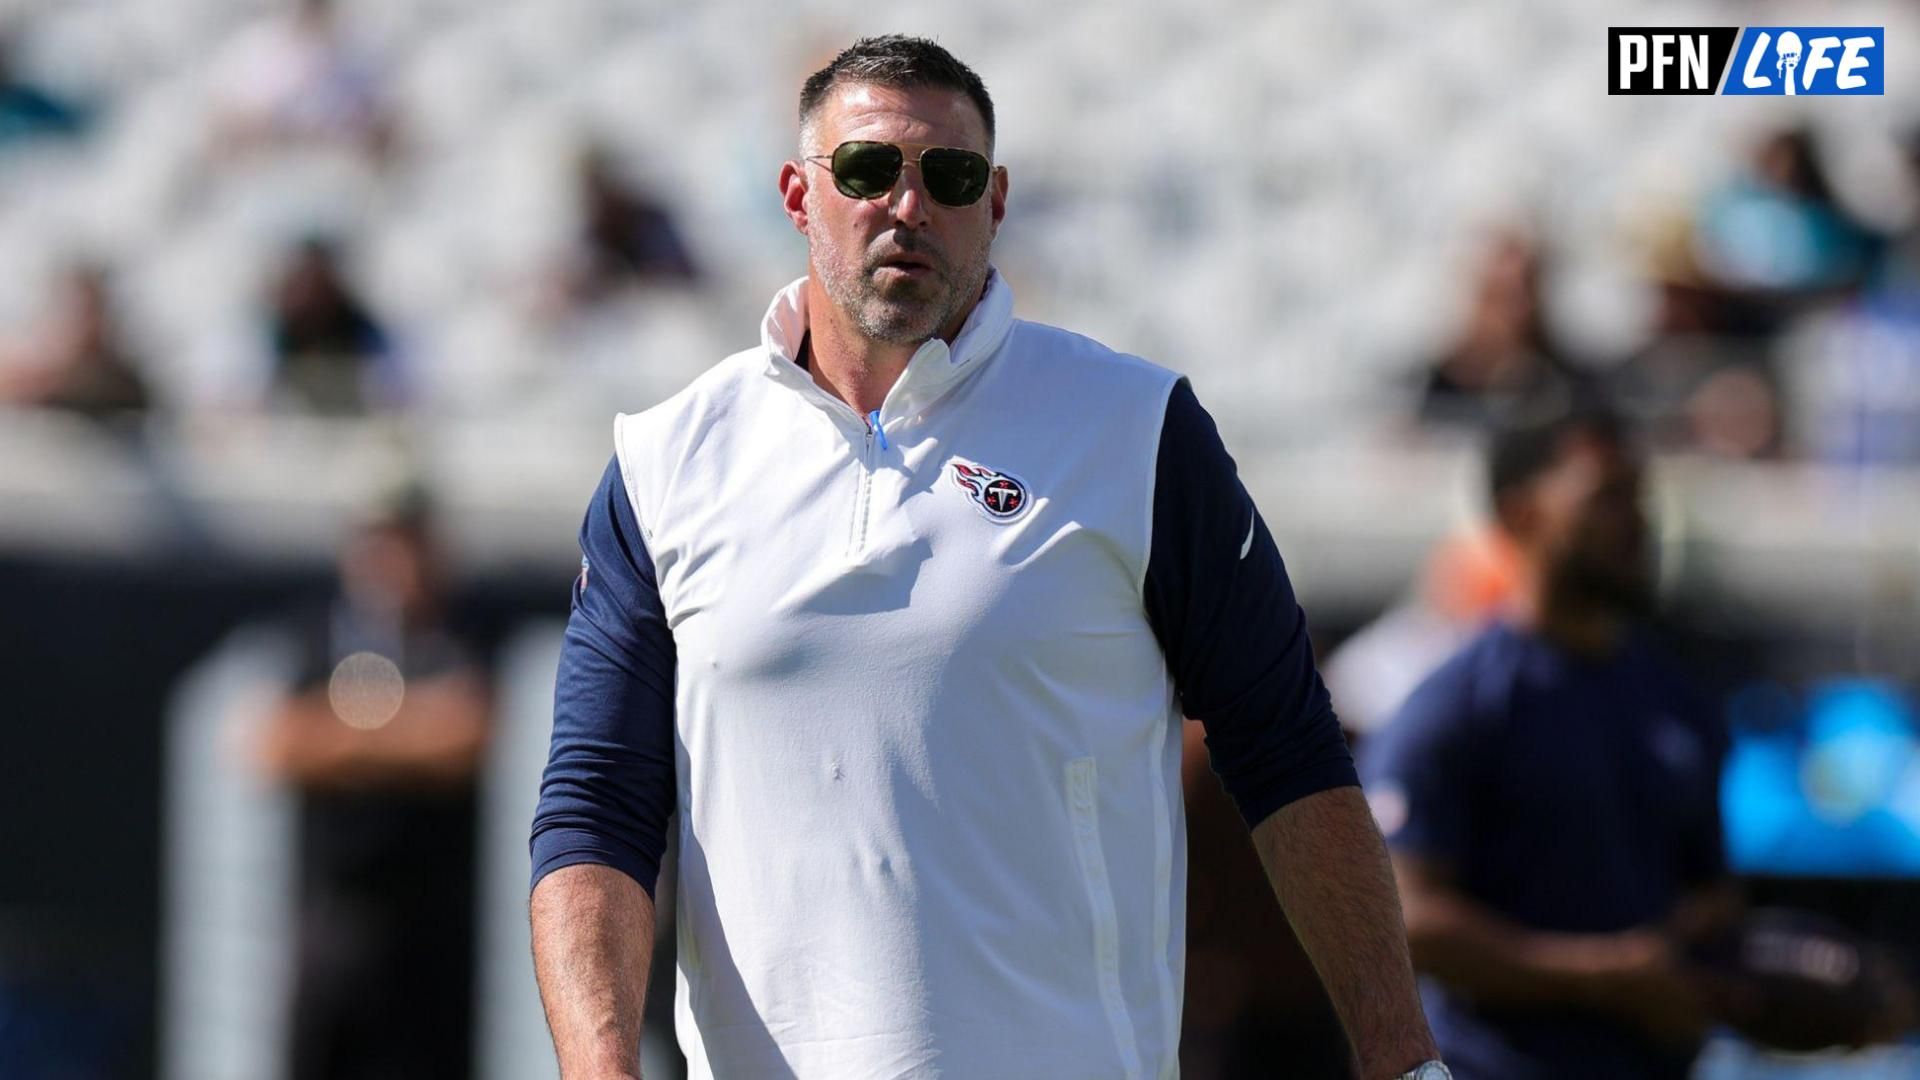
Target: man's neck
{"points": [[851, 366]]}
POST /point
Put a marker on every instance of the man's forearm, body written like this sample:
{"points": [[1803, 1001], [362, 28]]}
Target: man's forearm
{"points": [[592, 949], [439, 734], [1502, 963], [1329, 869]]}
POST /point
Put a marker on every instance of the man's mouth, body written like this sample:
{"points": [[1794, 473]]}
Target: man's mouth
{"points": [[906, 262]]}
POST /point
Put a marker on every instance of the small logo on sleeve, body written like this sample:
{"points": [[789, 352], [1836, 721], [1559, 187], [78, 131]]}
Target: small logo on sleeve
{"points": [[1001, 496]]}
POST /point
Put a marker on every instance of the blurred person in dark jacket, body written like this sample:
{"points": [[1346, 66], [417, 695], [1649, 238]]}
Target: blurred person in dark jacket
{"points": [[1551, 798], [382, 735], [1550, 794], [1504, 352], [79, 361], [626, 237], [331, 355]]}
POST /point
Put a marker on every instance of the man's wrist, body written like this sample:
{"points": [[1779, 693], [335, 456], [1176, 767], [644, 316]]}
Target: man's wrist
{"points": [[1427, 1070]]}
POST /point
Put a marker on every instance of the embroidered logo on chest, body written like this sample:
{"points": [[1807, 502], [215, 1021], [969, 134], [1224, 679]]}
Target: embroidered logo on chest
{"points": [[1002, 497]]}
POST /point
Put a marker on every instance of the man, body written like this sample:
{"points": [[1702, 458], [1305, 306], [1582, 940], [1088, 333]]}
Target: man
{"points": [[1550, 793], [897, 611], [383, 736]]}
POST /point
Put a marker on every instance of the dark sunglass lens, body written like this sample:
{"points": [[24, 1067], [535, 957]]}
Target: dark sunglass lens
{"points": [[864, 170], [955, 177]]}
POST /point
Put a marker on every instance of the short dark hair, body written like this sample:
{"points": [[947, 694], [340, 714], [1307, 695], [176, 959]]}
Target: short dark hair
{"points": [[900, 61], [1532, 443]]}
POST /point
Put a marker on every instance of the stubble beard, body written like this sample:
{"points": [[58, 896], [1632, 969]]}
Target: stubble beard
{"points": [[1628, 593], [905, 312]]}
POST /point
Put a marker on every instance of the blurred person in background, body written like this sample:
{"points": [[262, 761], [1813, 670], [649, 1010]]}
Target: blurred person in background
{"points": [[28, 109], [1771, 248], [1856, 372], [330, 353], [78, 361], [1505, 352], [1703, 382], [1550, 794], [1776, 237], [382, 735], [296, 78], [627, 239]]}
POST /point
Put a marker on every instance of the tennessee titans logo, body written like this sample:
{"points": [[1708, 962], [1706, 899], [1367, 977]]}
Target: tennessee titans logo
{"points": [[1000, 496]]}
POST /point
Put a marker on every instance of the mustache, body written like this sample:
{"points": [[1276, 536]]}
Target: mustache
{"points": [[906, 243]]}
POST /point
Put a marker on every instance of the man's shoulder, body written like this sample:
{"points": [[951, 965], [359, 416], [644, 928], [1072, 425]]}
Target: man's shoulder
{"points": [[1047, 350], [713, 387], [1448, 720], [711, 394], [1471, 683]]}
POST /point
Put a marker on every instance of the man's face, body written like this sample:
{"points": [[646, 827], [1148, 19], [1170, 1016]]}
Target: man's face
{"points": [[1587, 525], [902, 267], [390, 568]]}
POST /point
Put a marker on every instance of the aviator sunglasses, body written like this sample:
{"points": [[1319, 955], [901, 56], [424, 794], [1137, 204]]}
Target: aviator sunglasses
{"points": [[868, 170]]}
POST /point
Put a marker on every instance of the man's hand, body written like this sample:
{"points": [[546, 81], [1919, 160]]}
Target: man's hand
{"points": [[1899, 1011], [1638, 977], [1650, 987]]}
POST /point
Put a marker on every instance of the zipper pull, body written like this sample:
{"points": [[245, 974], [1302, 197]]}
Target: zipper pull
{"points": [[874, 428]]}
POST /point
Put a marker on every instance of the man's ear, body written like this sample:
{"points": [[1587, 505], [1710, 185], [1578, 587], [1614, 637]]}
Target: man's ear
{"points": [[997, 193], [793, 193]]}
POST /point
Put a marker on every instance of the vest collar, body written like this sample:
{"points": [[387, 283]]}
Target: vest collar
{"points": [[934, 367]]}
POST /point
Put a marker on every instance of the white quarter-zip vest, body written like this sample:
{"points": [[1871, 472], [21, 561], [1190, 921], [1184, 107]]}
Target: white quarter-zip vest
{"points": [[927, 750]]}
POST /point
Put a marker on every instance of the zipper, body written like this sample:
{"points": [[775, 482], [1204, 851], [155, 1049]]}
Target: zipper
{"points": [[864, 496], [803, 382]]}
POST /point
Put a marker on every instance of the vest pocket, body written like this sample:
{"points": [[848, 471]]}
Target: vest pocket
{"points": [[1083, 812], [683, 936]]}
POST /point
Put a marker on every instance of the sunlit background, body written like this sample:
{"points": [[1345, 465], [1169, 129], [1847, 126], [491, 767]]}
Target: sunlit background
{"points": [[264, 265]]}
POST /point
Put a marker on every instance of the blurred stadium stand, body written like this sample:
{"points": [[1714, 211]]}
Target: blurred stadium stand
{"points": [[1282, 200]]}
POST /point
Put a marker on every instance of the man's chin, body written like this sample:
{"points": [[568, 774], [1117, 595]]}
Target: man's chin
{"points": [[1633, 596], [900, 324], [905, 301]]}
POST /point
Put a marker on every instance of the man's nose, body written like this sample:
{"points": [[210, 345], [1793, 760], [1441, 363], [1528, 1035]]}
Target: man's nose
{"points": [[909, 200]]}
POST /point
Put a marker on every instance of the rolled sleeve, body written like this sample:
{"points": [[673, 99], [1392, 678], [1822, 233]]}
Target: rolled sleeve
{"points": [[609, 786], [1235, 637]]}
